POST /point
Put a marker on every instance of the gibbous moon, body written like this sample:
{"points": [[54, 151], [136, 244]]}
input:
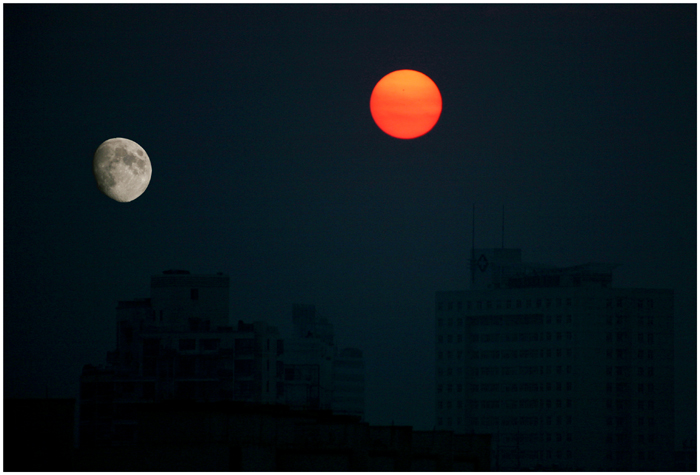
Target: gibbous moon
{"points": [[406, 104], [122, 169]]}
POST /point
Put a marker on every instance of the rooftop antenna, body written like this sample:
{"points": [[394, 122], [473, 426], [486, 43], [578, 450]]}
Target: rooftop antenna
{"points": [[503, 226], [472, 262]]}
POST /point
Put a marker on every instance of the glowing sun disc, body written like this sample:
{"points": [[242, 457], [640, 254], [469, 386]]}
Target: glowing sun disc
{"points": [[405, 104]]}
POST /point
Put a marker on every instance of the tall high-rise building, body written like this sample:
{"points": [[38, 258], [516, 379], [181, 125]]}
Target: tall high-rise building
{"points": [[562, 369]]}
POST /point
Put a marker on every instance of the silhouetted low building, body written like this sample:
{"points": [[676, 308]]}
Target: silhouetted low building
{"points": [[38, 435], [231, 436]]}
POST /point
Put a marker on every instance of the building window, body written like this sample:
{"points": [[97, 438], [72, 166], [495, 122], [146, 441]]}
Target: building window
{"points": [[650, 338], [449, 305], [187, 344], [209, 344], [194, 294]]}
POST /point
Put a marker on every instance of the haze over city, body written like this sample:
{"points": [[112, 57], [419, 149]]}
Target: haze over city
{"points": [[569, 129]]}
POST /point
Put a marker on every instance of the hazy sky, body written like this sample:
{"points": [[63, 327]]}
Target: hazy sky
{"points": [[580, 120]]}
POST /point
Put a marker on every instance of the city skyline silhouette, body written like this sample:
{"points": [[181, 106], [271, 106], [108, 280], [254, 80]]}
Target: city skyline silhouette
{"points": [[578, 122]]}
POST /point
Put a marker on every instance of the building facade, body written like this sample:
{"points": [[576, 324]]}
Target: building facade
{"points": [[178, 345], [562, 369]]}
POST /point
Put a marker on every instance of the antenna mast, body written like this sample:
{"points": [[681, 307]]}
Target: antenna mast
{"points": [[472, 262], [503, 226]]}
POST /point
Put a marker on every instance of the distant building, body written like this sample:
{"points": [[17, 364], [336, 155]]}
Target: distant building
{"points": [[178, 345], [349, 382], [317, 374], [562, 369]]}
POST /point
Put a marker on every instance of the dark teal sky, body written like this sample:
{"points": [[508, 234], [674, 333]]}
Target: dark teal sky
{"points": [[580, 120]]}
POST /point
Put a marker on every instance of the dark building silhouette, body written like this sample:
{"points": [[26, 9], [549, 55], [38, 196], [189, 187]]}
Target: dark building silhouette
{"points": [[231, 436], [561, 368], [178, 345], [38, 435]]}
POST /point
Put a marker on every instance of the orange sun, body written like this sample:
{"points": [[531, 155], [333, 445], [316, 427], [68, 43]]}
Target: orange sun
{"points": [[406, 104]]}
